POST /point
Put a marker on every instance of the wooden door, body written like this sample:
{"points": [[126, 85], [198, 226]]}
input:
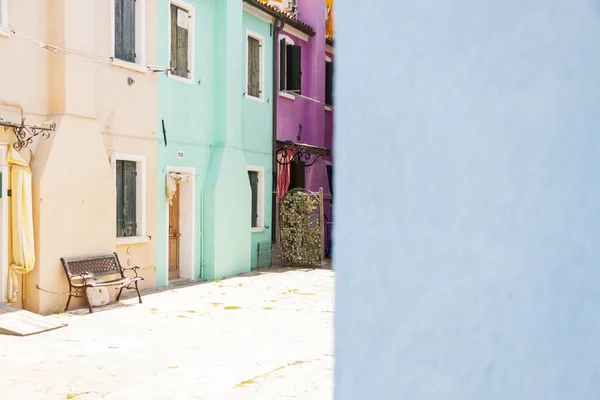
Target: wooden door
{"points": [[174, 235]]}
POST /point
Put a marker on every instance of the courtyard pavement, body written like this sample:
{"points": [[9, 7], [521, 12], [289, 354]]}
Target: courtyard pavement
{"points": [[266, 335]]}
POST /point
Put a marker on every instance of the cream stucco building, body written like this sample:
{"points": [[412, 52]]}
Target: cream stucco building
{"points": [[58, 64]]}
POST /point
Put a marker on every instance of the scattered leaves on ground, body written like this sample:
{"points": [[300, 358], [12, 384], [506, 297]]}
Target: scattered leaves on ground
{"points": [[173, 367], [267, 308], [75, 395], [245, 383], [216, 304], [232, 308]]}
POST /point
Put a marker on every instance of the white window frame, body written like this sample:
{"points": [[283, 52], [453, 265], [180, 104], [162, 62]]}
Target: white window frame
{"points": [[283, 93], [191, 39], [260, 201], [4, 29], [140, 197], [140, 38], [261, 65]]}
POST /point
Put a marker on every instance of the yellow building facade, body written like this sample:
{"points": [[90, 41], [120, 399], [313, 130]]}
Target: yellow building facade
{"points": [[58, 65]]}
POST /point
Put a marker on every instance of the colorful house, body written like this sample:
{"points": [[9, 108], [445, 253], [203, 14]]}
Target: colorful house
{"points": [[78, 72], [206, 207], [163, 119], [304, 101], [257, 123]]}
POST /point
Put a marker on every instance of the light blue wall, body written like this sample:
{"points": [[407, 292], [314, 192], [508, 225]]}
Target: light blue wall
{"points": [[203, 118], [188, 113], [474, 270], [257, 124]]}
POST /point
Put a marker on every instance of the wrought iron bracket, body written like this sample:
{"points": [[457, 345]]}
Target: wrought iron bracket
{"points": [[300, 152], [26, 133]]}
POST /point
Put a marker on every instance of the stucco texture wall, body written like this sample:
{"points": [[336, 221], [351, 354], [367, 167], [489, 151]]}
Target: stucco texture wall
{"points": [[478, 161], [257, 125], [187, 110], [97, 114], [203, 119]]}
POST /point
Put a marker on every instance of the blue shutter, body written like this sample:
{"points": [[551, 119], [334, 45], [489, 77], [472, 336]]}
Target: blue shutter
{"points": [[120, 195], [129, 30], [119, 53], [129, 198]]}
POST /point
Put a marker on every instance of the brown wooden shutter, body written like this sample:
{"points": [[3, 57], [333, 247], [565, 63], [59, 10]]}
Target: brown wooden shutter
{"points": [[179, 42], [253, 67], [173, 64]]}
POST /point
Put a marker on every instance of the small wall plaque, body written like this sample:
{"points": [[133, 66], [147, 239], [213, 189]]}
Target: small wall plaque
{"points": [[180, 154]]}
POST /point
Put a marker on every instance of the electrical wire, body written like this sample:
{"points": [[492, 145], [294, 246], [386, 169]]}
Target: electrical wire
{"points": [[58, 49]]}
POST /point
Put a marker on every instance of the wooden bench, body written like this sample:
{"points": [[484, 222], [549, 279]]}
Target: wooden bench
{"points": [[80, 270]]}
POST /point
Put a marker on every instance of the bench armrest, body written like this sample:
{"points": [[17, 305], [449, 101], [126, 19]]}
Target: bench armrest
{"points": [[134, 269], [81, 277]]}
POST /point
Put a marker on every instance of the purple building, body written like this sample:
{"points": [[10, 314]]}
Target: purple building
{"points": [[303, 101]]}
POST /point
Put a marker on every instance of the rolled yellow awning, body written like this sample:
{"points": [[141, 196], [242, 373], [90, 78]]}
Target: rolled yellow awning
{"points": [[23, 247]]}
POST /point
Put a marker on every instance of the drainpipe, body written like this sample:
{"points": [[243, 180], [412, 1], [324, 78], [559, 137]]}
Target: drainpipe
{"points": [[277, 26]]}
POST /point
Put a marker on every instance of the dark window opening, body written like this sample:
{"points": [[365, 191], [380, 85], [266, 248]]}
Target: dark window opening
{"points": [[329, 83], [253, 177], [297, 175], [290, 67], [330, 178]]}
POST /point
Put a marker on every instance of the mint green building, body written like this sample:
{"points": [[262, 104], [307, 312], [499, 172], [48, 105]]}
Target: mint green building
{"points": [[214, 139], [257, 121]]}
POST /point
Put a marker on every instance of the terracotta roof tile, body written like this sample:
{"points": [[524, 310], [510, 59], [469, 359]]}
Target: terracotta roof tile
{"points": [[286, 17]]}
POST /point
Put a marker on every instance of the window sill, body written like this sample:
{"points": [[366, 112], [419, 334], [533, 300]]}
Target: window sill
{"points": [[287, 95], [189, 81], [129, 65], [257, 99], [257, 230], [132, 240], [328, 108]]}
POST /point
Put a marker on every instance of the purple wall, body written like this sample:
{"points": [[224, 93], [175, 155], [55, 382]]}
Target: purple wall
{"points": [[317, 123]]}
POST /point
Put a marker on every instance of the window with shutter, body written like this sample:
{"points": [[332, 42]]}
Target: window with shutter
{"points": [[282, 65], [294, 68], [254, 72], [125, 11], [180, 28], [126, 181], [329, 83], [253, 177]]}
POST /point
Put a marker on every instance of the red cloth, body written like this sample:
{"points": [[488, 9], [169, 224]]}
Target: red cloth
{"points": [[283, 173]]}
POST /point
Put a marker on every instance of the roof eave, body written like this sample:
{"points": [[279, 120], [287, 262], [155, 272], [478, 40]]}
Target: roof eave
{"points": [[301, 26]]}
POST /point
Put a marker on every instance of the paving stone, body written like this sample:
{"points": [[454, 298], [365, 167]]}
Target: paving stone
{"points": [[265, 335]]}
